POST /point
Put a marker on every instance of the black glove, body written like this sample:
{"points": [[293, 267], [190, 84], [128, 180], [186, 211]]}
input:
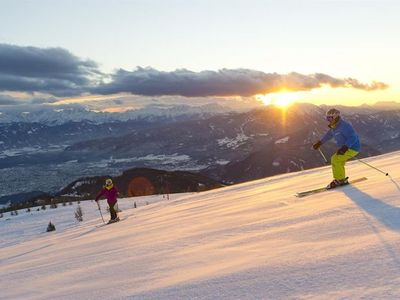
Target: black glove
{"points": [[342, 150], [317, 145]]}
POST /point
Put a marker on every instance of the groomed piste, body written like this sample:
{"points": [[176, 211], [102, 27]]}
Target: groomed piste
{"points": [[249, 241]]}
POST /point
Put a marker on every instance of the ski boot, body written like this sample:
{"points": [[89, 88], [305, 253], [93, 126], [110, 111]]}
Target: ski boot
{"points": [[337, 182], [113, 220]]}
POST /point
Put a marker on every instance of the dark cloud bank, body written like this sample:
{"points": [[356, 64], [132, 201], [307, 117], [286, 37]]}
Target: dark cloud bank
{"points": [[57, 72], [51, 70], [225, 82]]}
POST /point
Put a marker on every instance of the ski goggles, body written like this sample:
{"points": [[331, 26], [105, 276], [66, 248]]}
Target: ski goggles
{"points": [[330, 118]]}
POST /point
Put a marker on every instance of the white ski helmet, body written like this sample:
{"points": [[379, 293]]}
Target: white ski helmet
{"points": [[333, 113]]}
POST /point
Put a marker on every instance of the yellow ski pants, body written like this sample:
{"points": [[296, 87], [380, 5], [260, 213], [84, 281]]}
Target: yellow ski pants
{"points": [[338, 162]]}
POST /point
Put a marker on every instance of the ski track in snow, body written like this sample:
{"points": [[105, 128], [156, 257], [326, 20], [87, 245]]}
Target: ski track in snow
{"points": [[254, 240]]}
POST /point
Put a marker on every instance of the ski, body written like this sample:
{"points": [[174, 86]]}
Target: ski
{"points": [[324, 189], [106, 224]]}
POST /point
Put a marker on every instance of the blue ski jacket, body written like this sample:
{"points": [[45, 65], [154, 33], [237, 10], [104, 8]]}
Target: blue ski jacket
{"points": [[344, 134]]}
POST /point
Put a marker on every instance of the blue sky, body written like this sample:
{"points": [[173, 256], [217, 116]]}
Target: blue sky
{"points": [[353, 38]]}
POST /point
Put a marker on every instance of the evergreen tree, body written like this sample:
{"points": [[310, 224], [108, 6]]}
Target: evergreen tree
{"points": [[51, 227], [79, 214]]}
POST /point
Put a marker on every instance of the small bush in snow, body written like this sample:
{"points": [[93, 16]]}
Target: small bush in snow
{"points": [[64, 204], [43, 207], [1, 215], [51, 227], [70, 203], [53, 205], [79, 214], [16, 212], [134, 204], [28, 209]]}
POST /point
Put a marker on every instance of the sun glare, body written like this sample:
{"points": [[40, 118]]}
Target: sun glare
{"points": [[281, 99]]}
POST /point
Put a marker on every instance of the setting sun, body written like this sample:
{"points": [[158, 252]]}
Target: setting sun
{"points": [[281, 99]]}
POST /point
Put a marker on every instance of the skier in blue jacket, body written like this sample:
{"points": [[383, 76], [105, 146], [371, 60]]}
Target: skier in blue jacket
{"points": [[346, 139]]}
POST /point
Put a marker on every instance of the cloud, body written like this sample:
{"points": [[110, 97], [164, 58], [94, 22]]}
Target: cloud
{"points": [[7, 100], [26, 99], [58, 73], [43, 100], [48, 70], [118, 102], [225, 82], [375, 85]]}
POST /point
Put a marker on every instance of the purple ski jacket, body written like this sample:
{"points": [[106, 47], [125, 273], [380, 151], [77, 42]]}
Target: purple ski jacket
{"points": [[110, 194]]}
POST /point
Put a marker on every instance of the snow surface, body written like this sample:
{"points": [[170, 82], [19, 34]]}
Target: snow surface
{"points": [[233, 143], [254, 240], [283, 140]]}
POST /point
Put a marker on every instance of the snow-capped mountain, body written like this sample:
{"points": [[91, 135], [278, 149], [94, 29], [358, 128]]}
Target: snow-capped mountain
{"points": [[50, 128], [231, 147], [280, 139], [249, 241], [60, 114]]}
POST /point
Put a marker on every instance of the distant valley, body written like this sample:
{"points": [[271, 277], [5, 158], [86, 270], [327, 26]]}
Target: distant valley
{"points": [[229, 146]]}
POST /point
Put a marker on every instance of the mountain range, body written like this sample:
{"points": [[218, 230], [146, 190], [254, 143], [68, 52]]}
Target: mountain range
{"points": [[60, 114], [228, 147]]}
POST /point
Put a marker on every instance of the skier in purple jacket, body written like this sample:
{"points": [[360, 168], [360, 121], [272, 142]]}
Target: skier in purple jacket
{"points": [[110, 192]]}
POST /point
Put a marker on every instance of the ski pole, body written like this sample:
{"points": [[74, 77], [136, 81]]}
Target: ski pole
{"points": [[323, 155], [386, 174], [98, 205], [375, 168]]}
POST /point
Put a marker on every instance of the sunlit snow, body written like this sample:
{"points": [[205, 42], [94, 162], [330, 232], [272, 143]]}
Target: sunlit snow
{"points": [[254, 240]]}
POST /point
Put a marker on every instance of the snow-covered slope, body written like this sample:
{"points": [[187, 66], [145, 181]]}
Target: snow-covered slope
{"points": [[249, 241]]}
